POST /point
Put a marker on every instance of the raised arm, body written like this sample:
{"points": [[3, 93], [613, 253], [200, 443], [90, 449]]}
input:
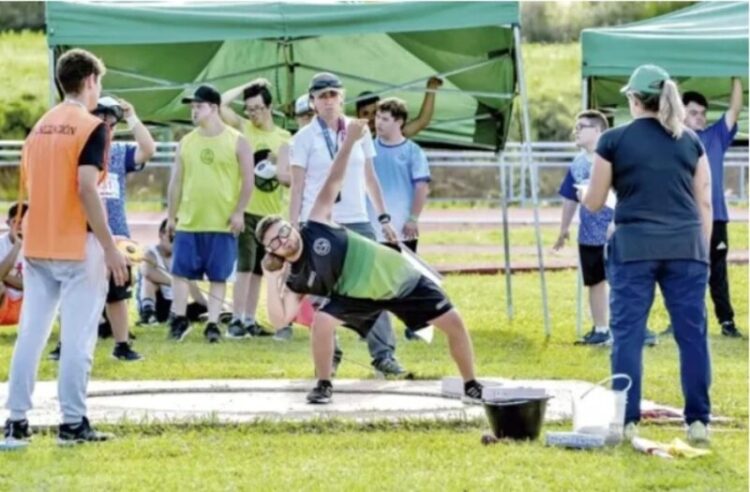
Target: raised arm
{"points": [[601, 182], [735, 103], [424, 117], [323, 205], [226, 111], [283, 174], [146, 145]]}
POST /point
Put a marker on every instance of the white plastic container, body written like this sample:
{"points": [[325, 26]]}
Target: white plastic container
{"points": [[601, 411]]}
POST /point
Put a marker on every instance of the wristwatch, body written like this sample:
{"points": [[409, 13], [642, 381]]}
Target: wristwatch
{"points": [[384, 218]]}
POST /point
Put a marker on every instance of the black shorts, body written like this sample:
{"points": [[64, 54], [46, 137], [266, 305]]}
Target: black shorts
{"points": [[164, 307], [250, 252], [122, 292], [425, 302], [592, 264]]}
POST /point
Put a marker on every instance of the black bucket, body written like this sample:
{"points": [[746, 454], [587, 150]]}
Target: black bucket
{"points": [[516, 419]]}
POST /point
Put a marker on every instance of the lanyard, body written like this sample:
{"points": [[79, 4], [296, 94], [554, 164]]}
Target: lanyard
{"points": [[333, 146]]}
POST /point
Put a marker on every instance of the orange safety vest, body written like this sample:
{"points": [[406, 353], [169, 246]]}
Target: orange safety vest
{"points": [[55, 224]]}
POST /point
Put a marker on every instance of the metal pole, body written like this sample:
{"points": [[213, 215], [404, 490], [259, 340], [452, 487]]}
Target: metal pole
{"points": [[534, 178], [579, 273], [506, 238], [52, 85]]}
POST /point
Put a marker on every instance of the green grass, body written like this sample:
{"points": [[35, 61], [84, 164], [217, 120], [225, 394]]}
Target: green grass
{"points": [[339, 457], [344, 456]]}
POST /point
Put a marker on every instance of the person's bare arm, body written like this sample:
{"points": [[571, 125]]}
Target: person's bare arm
{"points": [[735, 103], [283, 304], [568, 212], [376, 197], [245, 159], [146, 145], [229, 116], [9, 262], [702, 193], [323, 205], [153, 273], [421, 192], [283, 173], [424, 117], [295, 199], [174, 193], [601, 181], [88, 192]]}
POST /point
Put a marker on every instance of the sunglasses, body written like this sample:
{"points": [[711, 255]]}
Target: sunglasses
{"points": [[280, 238]]}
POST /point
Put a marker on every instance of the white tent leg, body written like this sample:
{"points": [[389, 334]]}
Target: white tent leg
{"points": [[579, 283], [52, 86], [506, 238], [533, 173]]}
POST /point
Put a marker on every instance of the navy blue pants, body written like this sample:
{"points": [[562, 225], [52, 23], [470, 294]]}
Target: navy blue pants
{"points": [[683, 284]]}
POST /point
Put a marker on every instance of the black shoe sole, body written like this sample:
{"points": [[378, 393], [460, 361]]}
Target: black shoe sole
{"points": [[319, 401], [124, 359]]}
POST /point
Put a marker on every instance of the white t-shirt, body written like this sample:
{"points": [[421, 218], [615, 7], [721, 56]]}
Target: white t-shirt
{"points": [[310, 151], [5, 247]]}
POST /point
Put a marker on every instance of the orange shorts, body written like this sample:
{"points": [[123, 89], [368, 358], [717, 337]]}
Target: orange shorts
{"points": [[10, 311]]}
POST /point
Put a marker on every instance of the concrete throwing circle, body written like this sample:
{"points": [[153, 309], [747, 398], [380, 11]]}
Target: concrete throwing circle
{"points": [[248, 404]]}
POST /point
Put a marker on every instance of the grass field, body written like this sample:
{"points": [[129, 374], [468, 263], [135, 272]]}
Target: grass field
{"points": [[412, 455]]}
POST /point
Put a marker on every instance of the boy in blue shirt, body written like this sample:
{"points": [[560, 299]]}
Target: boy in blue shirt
{"points": [[403, 173], [717, 138], [592, 231]]}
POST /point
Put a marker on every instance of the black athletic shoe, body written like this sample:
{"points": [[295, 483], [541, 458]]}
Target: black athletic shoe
{"points": [[728, 329], [236, 330], [124, 352], [321, 394], [179, 327], [72, 434], [17, 429], [472, 392], [256, 330], [55, 354], [148, 317], [212, 333]]}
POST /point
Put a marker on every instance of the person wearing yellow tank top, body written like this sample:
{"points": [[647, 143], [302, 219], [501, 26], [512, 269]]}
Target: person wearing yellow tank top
{"points": [[270, 144], [210, 188]]}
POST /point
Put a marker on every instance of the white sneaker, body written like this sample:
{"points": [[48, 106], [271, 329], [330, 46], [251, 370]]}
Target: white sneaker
{"points": [[630, 431], [697, 433]]}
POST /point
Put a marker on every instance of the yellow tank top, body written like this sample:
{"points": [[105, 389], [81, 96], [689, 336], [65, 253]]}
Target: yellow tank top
{"points": [[211, 181], [265, 202]]}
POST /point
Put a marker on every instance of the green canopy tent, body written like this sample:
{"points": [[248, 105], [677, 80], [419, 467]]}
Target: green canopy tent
{"points": [[156, 52], [701, 46]]}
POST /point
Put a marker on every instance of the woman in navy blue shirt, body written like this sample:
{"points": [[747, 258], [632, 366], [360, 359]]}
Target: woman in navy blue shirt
{"points": [[663, 220]]}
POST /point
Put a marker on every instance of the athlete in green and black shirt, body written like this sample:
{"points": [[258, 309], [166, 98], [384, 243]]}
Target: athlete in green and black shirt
{"points": [[359, 277]]}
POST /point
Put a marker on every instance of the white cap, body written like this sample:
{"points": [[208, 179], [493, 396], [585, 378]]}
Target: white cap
{"points": [[302, 105], [108, 102]]}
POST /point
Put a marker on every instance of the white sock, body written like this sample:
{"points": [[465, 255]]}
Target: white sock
{"points": [[601, 329], [249, 320], [237, 317]]}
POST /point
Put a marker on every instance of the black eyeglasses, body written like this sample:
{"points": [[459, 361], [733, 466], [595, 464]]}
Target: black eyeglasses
{"points": [[276, 242]]}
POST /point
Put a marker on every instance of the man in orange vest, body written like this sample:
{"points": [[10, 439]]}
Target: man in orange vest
{"points": [[68, 249]]}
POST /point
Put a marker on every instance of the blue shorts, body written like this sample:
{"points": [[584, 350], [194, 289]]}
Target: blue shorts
{"points": [[199, 254]]}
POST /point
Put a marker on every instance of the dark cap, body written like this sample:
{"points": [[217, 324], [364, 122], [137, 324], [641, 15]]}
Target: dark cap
{"points": [[204, 93], [324, 81]]}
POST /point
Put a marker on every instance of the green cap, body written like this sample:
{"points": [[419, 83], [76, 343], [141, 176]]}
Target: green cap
{"points": [[646, 79]]}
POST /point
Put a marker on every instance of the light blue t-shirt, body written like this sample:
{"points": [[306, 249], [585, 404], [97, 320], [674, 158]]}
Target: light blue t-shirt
{"points": [[398, 167], [592, 231]]}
